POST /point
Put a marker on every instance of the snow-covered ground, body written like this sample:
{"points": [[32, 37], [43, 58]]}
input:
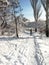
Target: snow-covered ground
{"points": [[27, 50]]}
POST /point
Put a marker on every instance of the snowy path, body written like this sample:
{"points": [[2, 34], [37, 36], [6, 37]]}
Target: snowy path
{"points": [[27, 50], [41, 49], [17, 52], [38, 54]]}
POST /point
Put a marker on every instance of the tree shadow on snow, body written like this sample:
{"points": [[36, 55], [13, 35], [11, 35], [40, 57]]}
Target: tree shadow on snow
{"points": [[8, 38], [13, 38]]}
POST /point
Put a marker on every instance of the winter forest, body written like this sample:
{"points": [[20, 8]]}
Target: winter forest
{"points": [[24, 32]]}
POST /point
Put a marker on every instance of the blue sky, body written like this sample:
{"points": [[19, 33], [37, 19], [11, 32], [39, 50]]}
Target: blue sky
{"points": [[28, 11]]}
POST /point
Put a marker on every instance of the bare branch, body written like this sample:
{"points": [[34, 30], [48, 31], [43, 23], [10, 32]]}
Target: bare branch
{"points": [[36, 5], [44, 4]]}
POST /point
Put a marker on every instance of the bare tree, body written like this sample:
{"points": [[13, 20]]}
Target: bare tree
{"points": [[45, 4], [3, 5], [14, 4], [9, 10], [36, 5]]}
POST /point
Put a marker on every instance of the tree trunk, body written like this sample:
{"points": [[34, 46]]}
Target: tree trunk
{"points": [[36, 26], [47, 29], [30, 31], [16, 27], [2, 33], [35, 29]]}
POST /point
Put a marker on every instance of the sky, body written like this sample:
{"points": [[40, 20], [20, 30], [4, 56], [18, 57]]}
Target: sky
{"points": [[28, 11]]}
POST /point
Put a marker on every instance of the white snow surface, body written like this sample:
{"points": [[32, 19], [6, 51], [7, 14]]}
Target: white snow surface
{"points": [[26, 50]]}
